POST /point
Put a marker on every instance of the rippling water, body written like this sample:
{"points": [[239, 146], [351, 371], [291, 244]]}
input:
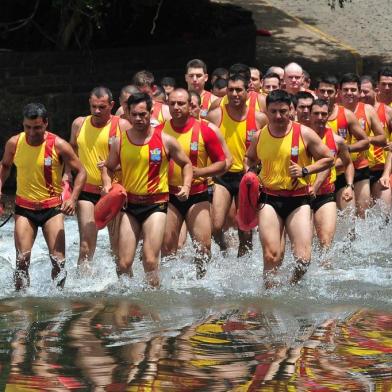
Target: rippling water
{"points": [[333, 332]]}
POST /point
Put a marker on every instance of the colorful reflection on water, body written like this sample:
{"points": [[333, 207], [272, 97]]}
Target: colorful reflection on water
{"points": [[133, 345]]}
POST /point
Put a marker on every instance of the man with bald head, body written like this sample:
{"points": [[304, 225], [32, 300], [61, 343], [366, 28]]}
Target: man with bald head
{"points": [[201, 145], [293, 78], [276, 70]]}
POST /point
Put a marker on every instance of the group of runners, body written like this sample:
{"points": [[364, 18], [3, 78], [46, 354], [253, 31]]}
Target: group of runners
{"points": [[181, 153]]}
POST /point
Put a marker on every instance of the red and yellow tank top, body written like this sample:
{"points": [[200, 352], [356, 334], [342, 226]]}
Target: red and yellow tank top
{"points": [[157, 114], [328, 186], [238, 135], [144, 167], [360, 159], [275, 154], [200, 144], [93, 146], [39, 170], [205, 102], [377, 154]]}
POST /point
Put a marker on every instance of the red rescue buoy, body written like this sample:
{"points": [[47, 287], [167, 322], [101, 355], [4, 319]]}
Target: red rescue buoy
{"points": [[67, 190], [109, 205], [247, 217]]}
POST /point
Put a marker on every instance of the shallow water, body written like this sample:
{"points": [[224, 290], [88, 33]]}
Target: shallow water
{"points": [[332, 332]]}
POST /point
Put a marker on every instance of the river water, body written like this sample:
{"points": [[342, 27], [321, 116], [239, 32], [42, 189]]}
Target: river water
{"points": [[332, 332]]}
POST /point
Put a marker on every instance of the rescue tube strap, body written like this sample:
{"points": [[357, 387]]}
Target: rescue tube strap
{"points": [[48, 157]]}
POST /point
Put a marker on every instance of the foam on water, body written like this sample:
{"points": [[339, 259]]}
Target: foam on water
{"points": [[359, 270]]}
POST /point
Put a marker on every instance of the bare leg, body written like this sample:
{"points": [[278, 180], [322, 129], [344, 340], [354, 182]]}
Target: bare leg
{"points": [[271, 227], [301, 239], [382, 194], [129, 233], [24, 234], [198, 220], [87, 232], [220, 207], [172, 231], [362, 197], [153, 232], [53, 231], [325, 223], [341, 203]]}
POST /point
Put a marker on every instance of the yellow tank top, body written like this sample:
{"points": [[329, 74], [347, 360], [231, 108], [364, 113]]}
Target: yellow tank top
{"points": [[39, 170], [237, 136], [93, 146], [192, 143], [144, 167], [275, 154], [377, 154]]}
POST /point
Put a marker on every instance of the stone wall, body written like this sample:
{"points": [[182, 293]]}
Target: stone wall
{"points": [[62, 80]]}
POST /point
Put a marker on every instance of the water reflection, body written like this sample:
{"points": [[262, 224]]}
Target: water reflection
{"points": [[134, 345]]}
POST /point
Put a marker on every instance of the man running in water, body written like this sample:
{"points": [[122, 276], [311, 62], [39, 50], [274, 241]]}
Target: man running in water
{"points": [[288, 152], [39, 157], [143, 152]]}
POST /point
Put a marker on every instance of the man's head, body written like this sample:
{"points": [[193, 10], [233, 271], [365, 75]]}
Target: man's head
{"points": [[196, 75], [125, 92], [319, 114], [303, 102], [179, 104], [271, 81], [276, 70], [327, 88], [278, 108], [169, 84], [219, 73], [219, 88], [384, 84], [240, 69], [35, 122], [255, 80], [138, 110], [195, 104], [159, 94], [101, 104], [349, 89], [237, 87], [293, 77], [144, 81], [368, 90]]}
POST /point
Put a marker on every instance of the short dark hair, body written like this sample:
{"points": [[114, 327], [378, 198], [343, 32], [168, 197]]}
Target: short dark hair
{"points": [[327, 79], [278, 96], [241, 69], [195, 94], [137, 98], [143, 78], [100, 92], [304, 95], [129, 89], [319, 102], [271, 75], [35, 110], [350, 78], [168, 81], [220, 83], [384, 71], [196, 63], [368, 78], [220, 72], [235, 77], [306, 75]]}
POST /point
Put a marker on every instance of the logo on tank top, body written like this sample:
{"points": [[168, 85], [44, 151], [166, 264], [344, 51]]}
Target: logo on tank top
{"points": [[294, 151], [342, 132], [154, 122], [250, 135], [48, 161], [362, 123], [203, 112], [111, 140], [194, 146], [156, 155]]}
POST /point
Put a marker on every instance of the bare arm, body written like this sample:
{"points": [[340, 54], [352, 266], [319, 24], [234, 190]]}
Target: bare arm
{"points": [[229, 158], [355, 129], [344, 156], [176, 153], [251, 160], [71, 161], [8, 160], [215, 116], [378, 138], [385, 178]]}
